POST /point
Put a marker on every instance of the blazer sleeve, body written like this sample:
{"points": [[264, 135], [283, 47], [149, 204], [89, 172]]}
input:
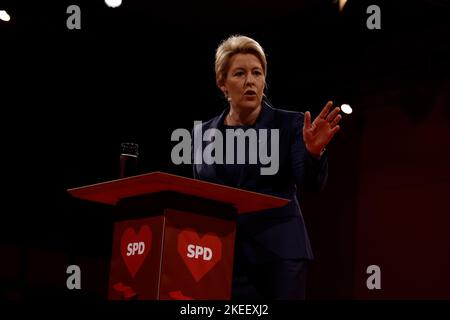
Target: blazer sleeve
{"points": [[310, 174]]}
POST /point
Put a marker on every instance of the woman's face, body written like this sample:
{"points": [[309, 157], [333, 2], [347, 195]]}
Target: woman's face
{"points": [[244, 82]]}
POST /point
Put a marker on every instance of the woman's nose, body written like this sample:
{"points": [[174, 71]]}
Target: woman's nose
{"points": [[249, 79]]}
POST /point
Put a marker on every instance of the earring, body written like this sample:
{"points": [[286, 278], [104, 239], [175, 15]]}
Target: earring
{"points": [[226, 96]]}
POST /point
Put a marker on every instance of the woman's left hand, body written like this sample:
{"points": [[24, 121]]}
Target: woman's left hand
{"points": [[318, 134]]}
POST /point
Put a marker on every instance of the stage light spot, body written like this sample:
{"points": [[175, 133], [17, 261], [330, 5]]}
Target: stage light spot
{"points": [[4, 16], [113, 3], [345, 108]]}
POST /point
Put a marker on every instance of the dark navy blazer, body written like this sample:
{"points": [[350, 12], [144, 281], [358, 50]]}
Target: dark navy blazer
{"points": [[276, 233]]}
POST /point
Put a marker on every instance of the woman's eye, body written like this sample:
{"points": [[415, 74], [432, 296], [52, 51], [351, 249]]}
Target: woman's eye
{"points": [[239, 73], [257, 72]]}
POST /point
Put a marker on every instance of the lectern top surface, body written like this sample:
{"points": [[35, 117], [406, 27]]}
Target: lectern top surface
{"points": [[111, 192]]}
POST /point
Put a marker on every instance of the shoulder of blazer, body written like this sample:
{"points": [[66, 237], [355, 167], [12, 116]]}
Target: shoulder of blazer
{"points": [[212, 123], [279, 115], [288, 117]]}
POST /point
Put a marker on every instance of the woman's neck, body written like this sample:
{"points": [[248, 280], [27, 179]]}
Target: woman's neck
{"points": [[239, 117]]}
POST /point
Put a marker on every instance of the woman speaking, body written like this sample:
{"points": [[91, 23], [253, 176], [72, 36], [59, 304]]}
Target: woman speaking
{"points": [[272, 247]]}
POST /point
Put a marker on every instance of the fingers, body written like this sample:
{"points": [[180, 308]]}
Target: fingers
{"points": [[307, 120], [335, 121], [333, 114], [325, 110], [334, 131]]}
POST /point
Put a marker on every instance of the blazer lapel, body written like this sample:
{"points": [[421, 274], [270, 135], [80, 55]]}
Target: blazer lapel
{"points": [[210, 170], [264, 121]]}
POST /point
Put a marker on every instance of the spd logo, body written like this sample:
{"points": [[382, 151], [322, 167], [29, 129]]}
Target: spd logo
{"points": [[199, 254]]}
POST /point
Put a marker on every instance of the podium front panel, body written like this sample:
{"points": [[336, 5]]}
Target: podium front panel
{"points": [[135, 264], [197, 257]]}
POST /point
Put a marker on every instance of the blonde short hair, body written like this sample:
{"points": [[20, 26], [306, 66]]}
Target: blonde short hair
{"points": [[231, 46]]}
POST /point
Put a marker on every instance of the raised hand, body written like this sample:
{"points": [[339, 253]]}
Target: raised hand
{"points": [[318, 134]]}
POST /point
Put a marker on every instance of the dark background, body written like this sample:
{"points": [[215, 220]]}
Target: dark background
{"points": [[137, 72]]}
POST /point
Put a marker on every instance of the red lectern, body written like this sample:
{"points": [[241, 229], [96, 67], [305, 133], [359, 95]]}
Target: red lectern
{"points": [[173, 236]]}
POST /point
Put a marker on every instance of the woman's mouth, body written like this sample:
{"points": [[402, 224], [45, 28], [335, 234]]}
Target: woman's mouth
{"points": [[250, 93]]}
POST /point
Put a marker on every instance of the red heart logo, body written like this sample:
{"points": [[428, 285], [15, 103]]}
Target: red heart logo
{"points": [[134, 248], [199, 255]]}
